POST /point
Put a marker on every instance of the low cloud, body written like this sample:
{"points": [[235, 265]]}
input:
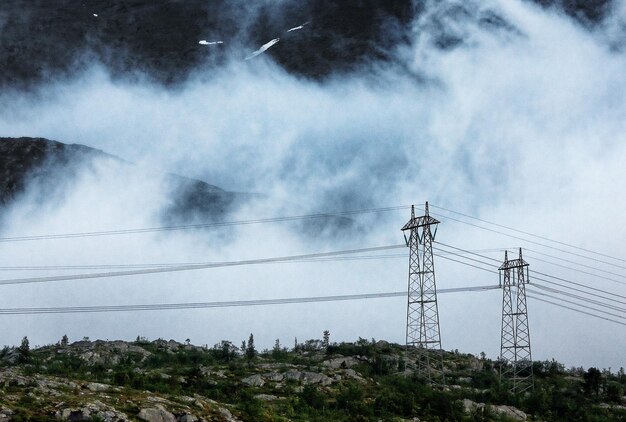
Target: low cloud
{"points": [[520, 124]]}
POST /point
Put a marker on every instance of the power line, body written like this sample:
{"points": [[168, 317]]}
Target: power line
{"points": [[550, 276], [531, 234], [193, 267], [580, 271], [224, 304], [575, 310], [578, 284], [199, 226], [569, 261], [577, 297], [531, 241], [174, 264], [552, 282], [189, 267], [579, 290]]}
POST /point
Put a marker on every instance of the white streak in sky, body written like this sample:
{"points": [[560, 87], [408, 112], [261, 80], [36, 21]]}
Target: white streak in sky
{"points": [[205, 42], [263, 48], [297, 28], [95, 14]]}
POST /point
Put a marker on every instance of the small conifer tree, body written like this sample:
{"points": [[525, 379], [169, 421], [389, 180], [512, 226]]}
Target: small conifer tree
{"points": [[326, 339], [250, 350], [24, 350]]}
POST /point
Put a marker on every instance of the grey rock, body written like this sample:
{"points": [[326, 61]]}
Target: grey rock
{"points": [[469, 406], [254, 380], [341, 362], [187, 418], [351, 373], [265, 397], [508, 411], [97, 387], [293, 375], [156, 414], [274, 376], [225, 413], [316, 378], [511, 412]]}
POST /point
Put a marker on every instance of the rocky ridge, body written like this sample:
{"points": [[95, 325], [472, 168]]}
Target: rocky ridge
{"points": [[164, 380]]}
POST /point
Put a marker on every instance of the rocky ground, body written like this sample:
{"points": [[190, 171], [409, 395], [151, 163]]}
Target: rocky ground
{"points": [[170, 381]]}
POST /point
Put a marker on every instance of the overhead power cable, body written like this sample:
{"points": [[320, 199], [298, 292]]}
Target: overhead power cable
{"points": [[577, 297], [530, 234], [445, 217], [201, 225], [198, 266], [224, 304], [595, 289], [194, 267], [574, 309], [550, 276], [464, 263], [174, 264], [577, 270], [578, 290], [569, 261]]}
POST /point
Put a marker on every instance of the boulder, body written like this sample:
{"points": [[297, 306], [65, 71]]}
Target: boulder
{"points": [[274, 376], [340, 362], [265, 397], [156, 414], [316, 378], [97, 387], [507, 411], [5, 414], [510, 412], [469, 405], [225, 413], [351, 373], [254, 380], [293, 375]]}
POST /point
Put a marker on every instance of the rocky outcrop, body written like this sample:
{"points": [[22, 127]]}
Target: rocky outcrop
{"points": [[254, 380], [92, 410], [507, 411], [156, 414], [340, 362], [304, 377]]}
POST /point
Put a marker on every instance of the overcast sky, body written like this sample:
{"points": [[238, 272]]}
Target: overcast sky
{"points": [[522, 126]]}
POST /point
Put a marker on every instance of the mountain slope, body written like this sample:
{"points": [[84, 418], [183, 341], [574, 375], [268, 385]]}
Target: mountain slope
{"points": [[25, 161], [50, 167], [41, 41]]}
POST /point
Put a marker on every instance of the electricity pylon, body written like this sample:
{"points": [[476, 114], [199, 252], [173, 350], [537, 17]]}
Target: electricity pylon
{"points": [[422, 318], [516, 363]]}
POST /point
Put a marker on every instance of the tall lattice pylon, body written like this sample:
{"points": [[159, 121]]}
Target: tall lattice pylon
{"points": [[422, 320], [515, 356]]}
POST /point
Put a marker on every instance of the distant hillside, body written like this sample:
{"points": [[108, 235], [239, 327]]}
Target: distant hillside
{"points": [[157, 381], [51, 164]]}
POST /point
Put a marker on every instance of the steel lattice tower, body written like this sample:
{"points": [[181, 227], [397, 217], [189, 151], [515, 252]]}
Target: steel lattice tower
{"points": [[422, 321], [515, 356]]}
